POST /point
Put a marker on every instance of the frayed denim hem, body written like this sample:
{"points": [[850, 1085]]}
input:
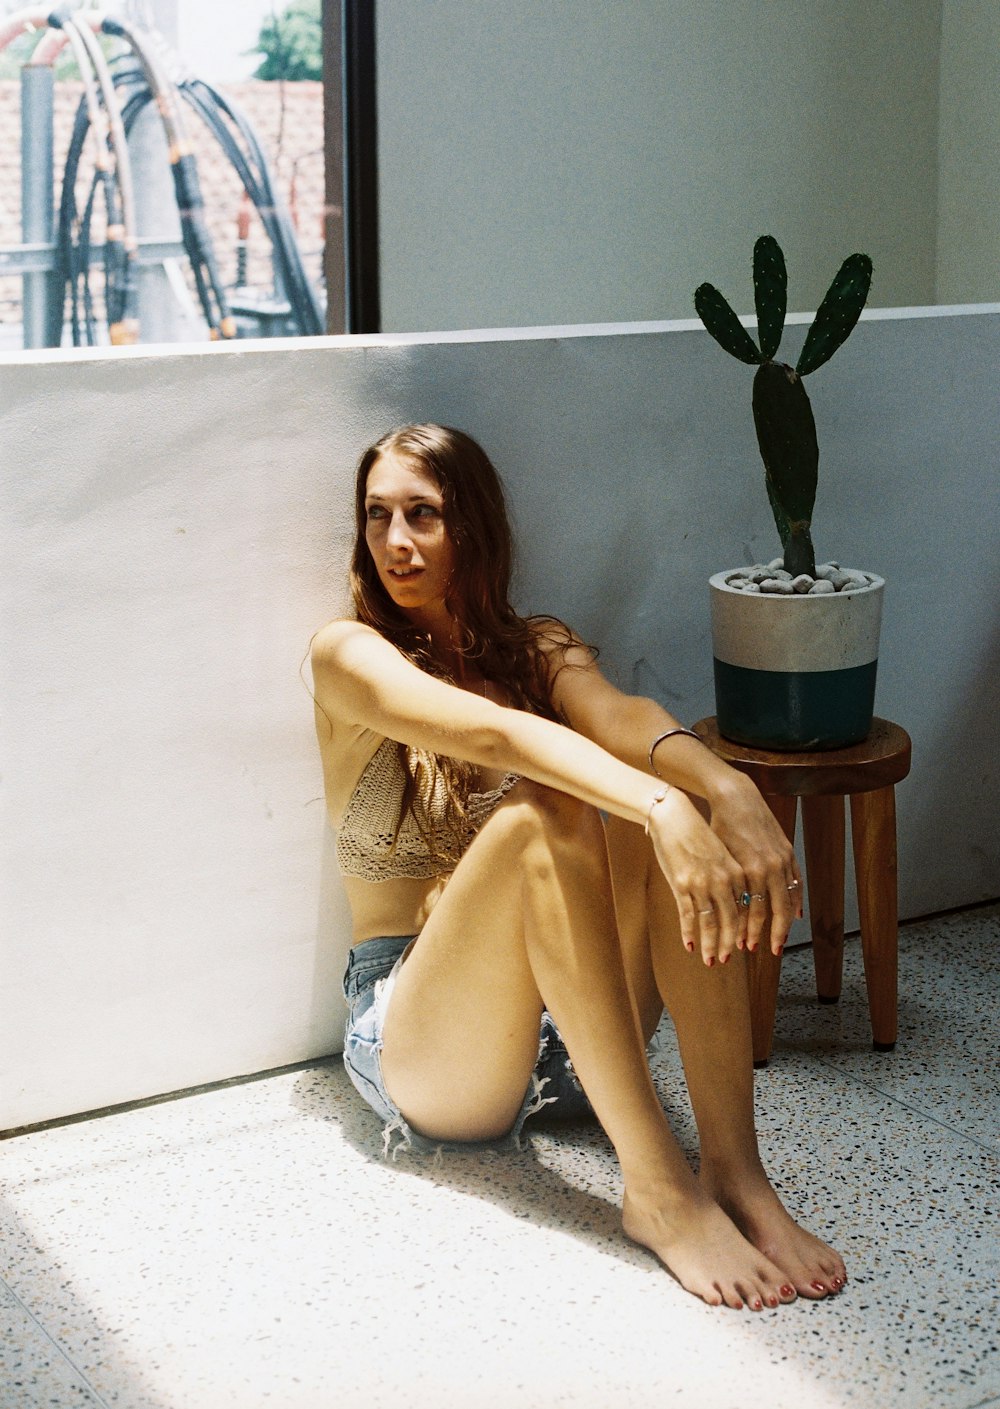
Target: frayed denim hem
{"points": [[399, 1138], [368, 984]]}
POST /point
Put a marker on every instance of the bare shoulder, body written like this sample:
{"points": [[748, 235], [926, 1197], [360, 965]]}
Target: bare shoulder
{"points": [[346, 658], [580, 691], [560, 645], [331, 638], [345, 646]]}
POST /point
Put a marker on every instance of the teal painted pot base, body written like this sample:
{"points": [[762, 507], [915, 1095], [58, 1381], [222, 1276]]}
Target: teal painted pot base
{"points": [[795, 710]]}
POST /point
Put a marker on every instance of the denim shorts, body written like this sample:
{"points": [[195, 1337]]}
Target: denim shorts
{"points": [[368, 983]]}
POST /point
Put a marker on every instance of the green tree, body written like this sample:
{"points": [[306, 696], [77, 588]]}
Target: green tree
{"points": [[292, 43]]}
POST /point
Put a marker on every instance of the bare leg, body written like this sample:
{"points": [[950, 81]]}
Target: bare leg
{"points": [[710, 1011], [528, 915]]}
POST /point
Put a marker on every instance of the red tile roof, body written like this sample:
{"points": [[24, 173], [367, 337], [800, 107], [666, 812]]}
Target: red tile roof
{"points": [[288, 121]]}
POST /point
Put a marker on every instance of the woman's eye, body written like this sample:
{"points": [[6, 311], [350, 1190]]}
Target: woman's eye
{"points": [[422, 511], [375, 511]]}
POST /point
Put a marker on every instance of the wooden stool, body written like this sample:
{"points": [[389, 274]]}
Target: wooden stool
{"points": [[866, 773]]}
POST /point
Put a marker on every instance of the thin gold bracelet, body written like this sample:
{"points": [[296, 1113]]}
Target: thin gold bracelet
{"points": [[658, 797], [659, 740]]}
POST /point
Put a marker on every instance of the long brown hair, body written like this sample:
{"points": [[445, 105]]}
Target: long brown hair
{"points": [[492, 637], [500, 644]]}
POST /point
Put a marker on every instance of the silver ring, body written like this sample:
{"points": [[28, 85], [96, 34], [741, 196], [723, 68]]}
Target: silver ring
{"points": [[756, 896], [794, 885], [709, 911], [745, 899]]}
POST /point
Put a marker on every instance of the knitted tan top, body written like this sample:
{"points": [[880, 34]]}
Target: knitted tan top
{"points": [[367, 844]]}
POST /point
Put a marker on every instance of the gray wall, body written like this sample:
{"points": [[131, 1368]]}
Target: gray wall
{"points": [[969, 213], [175, 527], [577, 161]]}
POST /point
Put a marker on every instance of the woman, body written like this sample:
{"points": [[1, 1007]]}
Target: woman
{"points": [[468, 757]]}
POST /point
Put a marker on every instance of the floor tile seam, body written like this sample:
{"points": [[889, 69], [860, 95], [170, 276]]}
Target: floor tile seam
{"points": [[992, 1149], [60, 1350]]}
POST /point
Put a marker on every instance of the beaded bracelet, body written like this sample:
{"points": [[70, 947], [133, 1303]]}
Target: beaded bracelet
{"points": [[657, 798], [659, 740]]}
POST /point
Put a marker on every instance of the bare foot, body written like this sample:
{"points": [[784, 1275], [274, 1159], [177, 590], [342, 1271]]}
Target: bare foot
{"points": [[812, 1268], [706, 1252]]}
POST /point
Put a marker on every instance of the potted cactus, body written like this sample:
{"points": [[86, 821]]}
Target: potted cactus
{"points": [[795, 645]]}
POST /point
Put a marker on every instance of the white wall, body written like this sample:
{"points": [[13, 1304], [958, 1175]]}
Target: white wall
{"points": [[576, 161], [174, 528]]}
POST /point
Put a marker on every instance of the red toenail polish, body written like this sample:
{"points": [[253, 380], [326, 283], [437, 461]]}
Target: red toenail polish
{"points": [[818, 1287], [787, 1290]]}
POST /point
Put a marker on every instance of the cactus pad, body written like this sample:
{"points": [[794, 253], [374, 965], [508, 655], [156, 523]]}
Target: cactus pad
{"points": [[786, 434], [770, 293], [837, 314], [723, 324]]}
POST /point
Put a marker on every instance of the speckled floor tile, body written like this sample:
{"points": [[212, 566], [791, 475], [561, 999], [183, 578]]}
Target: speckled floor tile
{"points": [[33, 1369], [248, 1247], [946, 1060]]}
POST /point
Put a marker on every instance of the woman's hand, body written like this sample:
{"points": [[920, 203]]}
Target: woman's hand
{"points": [[748, 829], [704, 876]]}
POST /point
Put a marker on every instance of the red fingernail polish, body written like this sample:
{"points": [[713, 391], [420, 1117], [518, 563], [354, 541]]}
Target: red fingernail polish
{"points": [[710, 960], [724, 959], [689, 946]]}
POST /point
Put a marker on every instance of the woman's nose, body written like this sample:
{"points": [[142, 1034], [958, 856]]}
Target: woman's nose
{"points": [[399, 532]]}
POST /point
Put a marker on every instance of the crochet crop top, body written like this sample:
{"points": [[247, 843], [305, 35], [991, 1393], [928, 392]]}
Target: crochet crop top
{"points": [[368, 846]]}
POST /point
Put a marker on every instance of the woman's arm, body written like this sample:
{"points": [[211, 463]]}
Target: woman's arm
{"points": [[362, 680], [626, 726]]}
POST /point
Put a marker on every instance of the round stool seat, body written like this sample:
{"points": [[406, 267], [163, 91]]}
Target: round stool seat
{"points": [[881, 761]]}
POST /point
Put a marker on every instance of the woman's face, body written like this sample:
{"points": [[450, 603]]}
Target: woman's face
{"points": [[407, 537]]}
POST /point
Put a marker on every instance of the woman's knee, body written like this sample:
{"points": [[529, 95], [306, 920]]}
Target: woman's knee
{"points": [[553, 827]]}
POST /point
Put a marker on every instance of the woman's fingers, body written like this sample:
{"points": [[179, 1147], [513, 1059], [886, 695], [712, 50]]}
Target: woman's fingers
{"points": [[708, 932], [690, 921], [785, 893], [757, 912], [721, 923]]}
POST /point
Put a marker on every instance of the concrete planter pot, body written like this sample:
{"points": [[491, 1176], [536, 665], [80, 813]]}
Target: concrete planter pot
{"points": [[796, 671]]}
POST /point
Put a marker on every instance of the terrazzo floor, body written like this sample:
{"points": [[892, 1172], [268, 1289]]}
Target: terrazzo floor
{"points": [[247, 1246]]}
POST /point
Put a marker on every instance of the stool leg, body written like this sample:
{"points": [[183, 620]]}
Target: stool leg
{"points": [[823, 832], [763, 968], [873, 828]]}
